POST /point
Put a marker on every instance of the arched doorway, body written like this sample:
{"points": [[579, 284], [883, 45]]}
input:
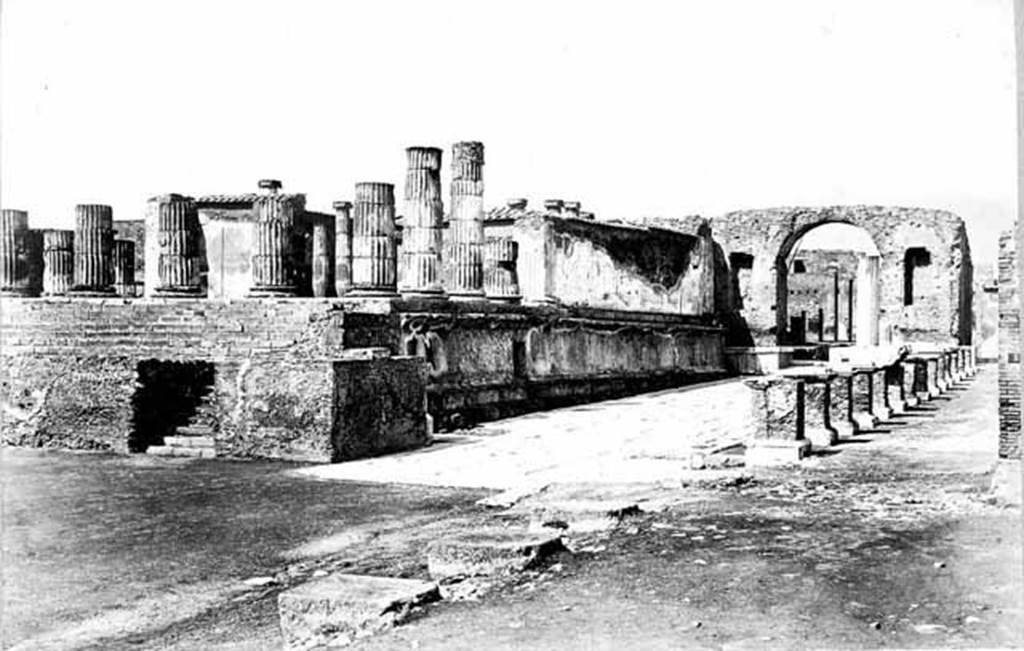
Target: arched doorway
{"points": [[828, 285]]}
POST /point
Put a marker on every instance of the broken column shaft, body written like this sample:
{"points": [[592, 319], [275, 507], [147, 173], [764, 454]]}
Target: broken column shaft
{"points": [[124, 267], [272, 272], [94, 249], [58, 262], [342, 247], [323, 257], [422, 225], [466, 228], [373, 240], [177, 247], [14, 267]]}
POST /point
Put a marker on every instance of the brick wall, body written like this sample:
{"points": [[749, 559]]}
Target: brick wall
{"points": [[1009, 350]]}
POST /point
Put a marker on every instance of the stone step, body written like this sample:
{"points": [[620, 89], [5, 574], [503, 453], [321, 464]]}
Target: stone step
{"points": [[189, 441], [490, 552], [337, 609], [195, 430], [181, 451]]}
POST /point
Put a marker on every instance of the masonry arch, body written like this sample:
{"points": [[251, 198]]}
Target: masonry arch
{"points": [[757, 310], [827, 285]]}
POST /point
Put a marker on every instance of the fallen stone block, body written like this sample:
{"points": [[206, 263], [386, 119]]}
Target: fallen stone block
{"points": [[340, 608], [490, 553], [767, 452]]}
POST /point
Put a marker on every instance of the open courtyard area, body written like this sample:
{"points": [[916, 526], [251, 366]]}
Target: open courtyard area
{"points": [[892, 539]]}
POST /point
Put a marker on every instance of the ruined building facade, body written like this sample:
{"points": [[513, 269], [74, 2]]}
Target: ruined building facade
{"points": [[265, 328]]}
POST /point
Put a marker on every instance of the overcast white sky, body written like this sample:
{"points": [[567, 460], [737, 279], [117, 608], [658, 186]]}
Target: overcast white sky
{"points": [[635, 108]]}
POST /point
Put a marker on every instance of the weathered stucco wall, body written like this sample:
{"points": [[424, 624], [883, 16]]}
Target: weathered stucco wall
{"points": [[576, 262], [488, 361], [752, 245]]}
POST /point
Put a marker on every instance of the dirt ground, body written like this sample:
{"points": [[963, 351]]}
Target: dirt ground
{"points": [[891, 540]]}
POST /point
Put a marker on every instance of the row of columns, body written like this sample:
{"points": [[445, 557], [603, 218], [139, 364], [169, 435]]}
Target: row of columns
{"points": [[463, 265], [88, 261], [815, 407]]}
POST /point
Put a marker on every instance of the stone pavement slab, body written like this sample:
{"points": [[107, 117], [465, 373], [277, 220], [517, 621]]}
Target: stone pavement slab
{"points": [[645, 438]]}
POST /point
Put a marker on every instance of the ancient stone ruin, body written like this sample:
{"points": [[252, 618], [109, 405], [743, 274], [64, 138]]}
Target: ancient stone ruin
{"points": [[249, 325]]}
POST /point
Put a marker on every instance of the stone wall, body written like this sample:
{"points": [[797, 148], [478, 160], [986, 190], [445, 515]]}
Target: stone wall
{"points": [[813, 288], [319, 379], [576, 262], [1009, 349], [752, 246], [488, 361], [70, 368]]}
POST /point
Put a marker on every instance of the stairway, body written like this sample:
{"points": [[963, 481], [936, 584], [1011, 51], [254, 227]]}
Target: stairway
{"points": [[189, 441]]}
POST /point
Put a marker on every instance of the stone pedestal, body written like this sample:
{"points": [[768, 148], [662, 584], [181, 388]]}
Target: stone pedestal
{"points": [[124, 268], [464, 260], [423, 221], [776, 435], [323, 257], [374, 270], [174, 220], [342, 247], [895, 389], [880, 395], [94, 249], [817, 406], [58, 262], [501, 280], [863, 398], [841, 397], [935, 388], [908, 369]]}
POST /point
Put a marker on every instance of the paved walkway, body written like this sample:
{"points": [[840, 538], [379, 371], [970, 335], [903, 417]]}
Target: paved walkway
{"points": [[645, 438]]}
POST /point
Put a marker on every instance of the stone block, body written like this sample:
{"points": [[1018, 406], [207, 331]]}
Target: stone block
{"points": [[488, 553], [766, 452], [380, 406], [338, 609], [189, 441]]}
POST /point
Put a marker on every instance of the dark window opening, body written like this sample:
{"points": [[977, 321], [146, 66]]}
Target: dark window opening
{"points": [[915, 257], [799, 267]]}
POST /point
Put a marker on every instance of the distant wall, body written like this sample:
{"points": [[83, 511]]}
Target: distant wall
{"points": [[752, 245], [1009, 349], [576, 262]]}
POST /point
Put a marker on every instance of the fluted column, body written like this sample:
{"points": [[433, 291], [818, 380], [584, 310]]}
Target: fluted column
{"points": [[501, 278], [14, 272], [342, 247], [94, 248], [420, 272], [323, 257], [177, 246], [58, 262], [374, 269], [466, 228], [272, 272], [124, 267]]}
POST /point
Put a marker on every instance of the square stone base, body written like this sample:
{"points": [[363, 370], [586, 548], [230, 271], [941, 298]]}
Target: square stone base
{"points": [[864, 420], [766, 452], [821, 437]]}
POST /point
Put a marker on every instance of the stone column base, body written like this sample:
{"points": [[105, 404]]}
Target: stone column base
{"points": [[911, 400], [845, 430], [768, 452], [864, 420], [821, 437]]}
